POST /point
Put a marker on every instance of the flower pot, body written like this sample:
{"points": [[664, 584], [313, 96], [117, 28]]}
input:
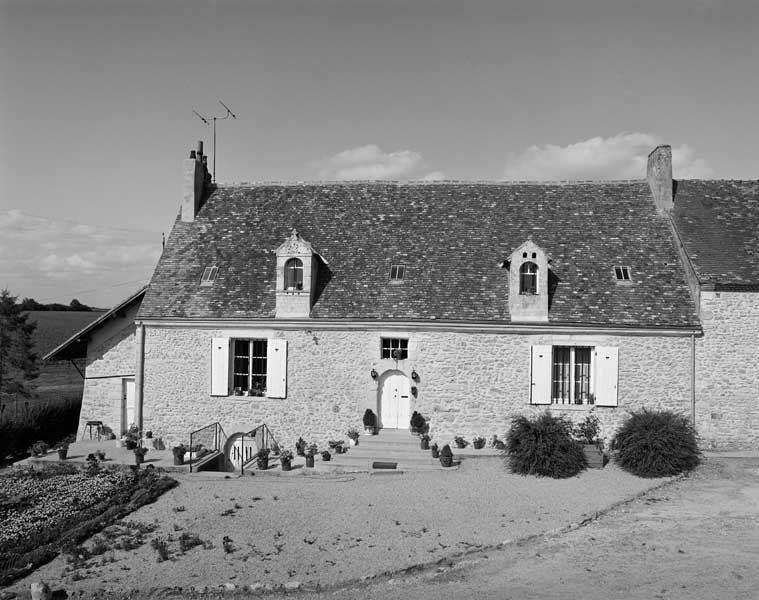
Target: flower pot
{"points": [[62, 453], [435, 453], [262, 463], [479, 444], [286, 465], [179, 459], [310, 460], [369, 430], [326, 457], [499, 445], [352, 442], [446, 461], [139, 459], [425, 444]]}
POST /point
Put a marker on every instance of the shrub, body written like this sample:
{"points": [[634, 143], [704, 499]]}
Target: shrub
{"points": [[544, 446], [161, 547], [656, 444]]}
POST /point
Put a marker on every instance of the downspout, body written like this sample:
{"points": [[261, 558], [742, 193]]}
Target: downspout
{"points": [[139, 374], [693, 379]]}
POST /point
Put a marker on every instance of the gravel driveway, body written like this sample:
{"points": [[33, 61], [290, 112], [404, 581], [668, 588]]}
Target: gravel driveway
{"points": [[318, 529]]}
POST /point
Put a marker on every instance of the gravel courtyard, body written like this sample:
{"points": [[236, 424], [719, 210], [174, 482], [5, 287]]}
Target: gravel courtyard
{"points": [[320, 529]]}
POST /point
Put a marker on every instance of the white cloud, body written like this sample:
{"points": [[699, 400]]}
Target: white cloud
{"points": [[45, 258], [622, 156], [370, 162]]}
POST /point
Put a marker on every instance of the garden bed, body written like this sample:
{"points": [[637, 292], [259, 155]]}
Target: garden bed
{"points": [[45, 511]]}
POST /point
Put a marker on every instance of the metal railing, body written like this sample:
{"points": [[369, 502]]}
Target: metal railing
{"points": [[211, 437], [262, 437]]}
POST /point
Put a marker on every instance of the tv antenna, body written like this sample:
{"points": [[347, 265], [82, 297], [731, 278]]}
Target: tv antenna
{"points": [[228, 114]]}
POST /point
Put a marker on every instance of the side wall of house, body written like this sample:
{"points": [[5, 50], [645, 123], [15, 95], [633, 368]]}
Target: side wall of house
{"points": [[111, 359], [469, 383], [727, 370]]}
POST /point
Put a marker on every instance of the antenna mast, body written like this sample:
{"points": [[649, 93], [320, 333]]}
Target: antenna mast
{"points": [[228, 114]]}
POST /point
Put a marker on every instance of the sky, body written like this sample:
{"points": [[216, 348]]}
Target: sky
{"points": [[97, 101]]}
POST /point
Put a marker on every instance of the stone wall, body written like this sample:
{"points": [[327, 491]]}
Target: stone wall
{"points": [[111, 358], [469, 383], [727, 370]]}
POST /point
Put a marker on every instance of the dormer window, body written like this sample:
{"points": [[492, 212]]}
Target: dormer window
{"points": [[528, 278], [397, 272], [294, 274], [622, 273], [209, 275]]}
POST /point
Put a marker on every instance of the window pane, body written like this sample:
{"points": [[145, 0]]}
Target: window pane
{"points": [[560, 393], [258, 365], [528, 278], [582, 375], [241, 364], [294, 274]]}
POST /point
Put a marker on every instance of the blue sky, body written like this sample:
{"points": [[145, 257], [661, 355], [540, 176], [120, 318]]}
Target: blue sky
{"points": [[96, 101]]}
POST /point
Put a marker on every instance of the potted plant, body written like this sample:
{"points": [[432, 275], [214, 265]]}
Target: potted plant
{"points": [[446, 456], [435, 451], [139, 455], [326, 456], [149, 435], [496, 443], [417, 423], [310, 452], [262, 458], [285, 458], [425, 441], [300, 447], [370, 422], [100, 455], [178, 452], [353, 436], [63, 448], [587, 432], [132, 437], [337, 446], [478, 443], [39, 448], [460, 442]]}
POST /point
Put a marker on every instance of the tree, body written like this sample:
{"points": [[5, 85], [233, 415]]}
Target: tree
{"points": [[18, 362]]}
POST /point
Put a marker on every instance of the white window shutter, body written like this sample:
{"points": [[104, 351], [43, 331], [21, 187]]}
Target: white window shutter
{"points": [[276, 368], [220, 367], [607, 367], [540, 389]]}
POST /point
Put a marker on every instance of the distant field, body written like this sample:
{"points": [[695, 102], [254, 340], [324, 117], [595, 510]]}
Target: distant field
{"points": [[54, 327]]}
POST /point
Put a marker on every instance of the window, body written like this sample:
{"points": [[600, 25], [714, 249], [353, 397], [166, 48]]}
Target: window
{"points": [[294, 274], [395, 348], [209, 275], [574, 375], [249, 366], [570, 375], [397, 272], [528, 278], [622, 273]]}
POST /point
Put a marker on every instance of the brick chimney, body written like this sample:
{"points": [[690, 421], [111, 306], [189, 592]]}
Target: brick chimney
{"points": [[195, 185], [659, 176]]}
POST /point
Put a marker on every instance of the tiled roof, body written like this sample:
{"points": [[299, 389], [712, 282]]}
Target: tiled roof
{"points": [[453, 239], [718, 223]]}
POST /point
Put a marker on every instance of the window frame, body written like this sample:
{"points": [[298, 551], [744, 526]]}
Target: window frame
{"points": [[525, 275], [564, 387], [623, 273], [386, 349], [400, 272], [293, 272], [209, 276], [257, 382]]}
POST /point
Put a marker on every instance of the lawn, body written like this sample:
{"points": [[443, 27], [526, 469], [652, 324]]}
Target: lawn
{"points": [[47, 511]]}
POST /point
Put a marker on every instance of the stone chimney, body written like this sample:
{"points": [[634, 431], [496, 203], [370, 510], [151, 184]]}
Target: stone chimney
{"points": [[659, 176], [195, 185]]}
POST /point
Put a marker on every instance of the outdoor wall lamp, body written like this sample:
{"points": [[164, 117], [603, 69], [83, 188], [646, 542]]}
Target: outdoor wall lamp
{"points": [[374, 374], [414, 375], [414, 391]]}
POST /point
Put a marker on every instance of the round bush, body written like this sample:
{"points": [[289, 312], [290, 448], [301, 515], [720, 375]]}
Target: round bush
{"points": [[656, 444], [544, 446]]}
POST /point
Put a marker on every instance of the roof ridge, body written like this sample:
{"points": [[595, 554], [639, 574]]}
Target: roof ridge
{"points": [[389, 182]]}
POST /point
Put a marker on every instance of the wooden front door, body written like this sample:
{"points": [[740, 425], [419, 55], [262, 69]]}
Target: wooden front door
{"points": [[395, 402], [127, 404]]}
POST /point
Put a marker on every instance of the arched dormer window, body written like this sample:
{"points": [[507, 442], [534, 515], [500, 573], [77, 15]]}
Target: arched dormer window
{"points": [[294, 274], [528, 278]]}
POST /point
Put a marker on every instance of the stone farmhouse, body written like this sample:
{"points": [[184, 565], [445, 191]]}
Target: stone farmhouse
{"points": [[302, 305]]}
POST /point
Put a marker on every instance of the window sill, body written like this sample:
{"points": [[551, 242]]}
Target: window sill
{"points": [[577, 407]]}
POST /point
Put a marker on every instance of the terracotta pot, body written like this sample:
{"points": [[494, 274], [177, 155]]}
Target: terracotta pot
{"points": [[263, 463], [62, 453], [446, 461], [425, 444], [286, 466], [310, 460]]}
